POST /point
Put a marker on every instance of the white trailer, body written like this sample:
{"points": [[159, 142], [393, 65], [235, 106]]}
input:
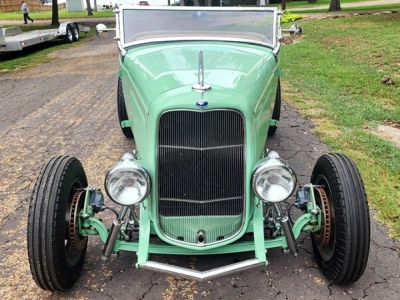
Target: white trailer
{"points": [[14, 39]]}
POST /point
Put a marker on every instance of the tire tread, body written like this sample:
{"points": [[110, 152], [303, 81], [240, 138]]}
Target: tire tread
{"points": [[352, 229]]}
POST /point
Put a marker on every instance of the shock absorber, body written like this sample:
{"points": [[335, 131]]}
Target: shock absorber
{"points": [[287, 229], [113, 234]]}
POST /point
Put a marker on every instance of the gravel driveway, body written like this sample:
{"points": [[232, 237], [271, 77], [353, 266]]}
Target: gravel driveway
{"points": [[69, 107]]}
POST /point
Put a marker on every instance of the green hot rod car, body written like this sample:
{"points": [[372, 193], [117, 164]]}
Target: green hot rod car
{"points": [[199, 91]]}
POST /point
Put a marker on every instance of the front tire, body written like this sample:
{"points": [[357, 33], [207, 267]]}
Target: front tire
{"points": [[276, 114], [341, 247], [56, 252], [122, 113]]}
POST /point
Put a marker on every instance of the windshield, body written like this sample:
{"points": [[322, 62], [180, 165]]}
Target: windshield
{"points": [[149, 24]]}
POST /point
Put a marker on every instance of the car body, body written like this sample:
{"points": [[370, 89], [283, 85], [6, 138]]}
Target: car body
{"points": [[145, 3], [199, 91]]}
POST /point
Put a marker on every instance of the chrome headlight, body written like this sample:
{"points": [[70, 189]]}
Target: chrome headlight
{"points": [[127, 183], [273, 180]]}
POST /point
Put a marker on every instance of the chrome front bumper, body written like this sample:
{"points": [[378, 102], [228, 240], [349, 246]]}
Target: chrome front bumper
{"points": [[199, 275]]}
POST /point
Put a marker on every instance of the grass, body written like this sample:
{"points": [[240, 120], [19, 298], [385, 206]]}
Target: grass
{"points": [[350, 9], [62, 14], [310, 7], [333, 75]]}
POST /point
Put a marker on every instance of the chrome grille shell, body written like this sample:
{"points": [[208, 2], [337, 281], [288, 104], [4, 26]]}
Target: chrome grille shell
{"points": [[201, 175]]}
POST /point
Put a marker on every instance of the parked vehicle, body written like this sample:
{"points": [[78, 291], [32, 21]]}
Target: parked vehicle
{"points": [[199, 91], [14, 39]]}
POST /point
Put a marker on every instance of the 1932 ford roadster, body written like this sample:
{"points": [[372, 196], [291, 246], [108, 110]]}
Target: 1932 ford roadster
{"points": [[199, 90]]}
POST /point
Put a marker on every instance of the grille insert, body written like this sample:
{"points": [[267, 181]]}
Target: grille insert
{"points": [[200, 174]]}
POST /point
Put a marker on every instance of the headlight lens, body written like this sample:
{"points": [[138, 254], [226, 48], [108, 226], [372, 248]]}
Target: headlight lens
{"points": [[273, 180], [127, 183]]}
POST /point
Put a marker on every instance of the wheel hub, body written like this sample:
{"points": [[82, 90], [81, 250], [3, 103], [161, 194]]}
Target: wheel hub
{"points": [[77, 242], [322, 237]]}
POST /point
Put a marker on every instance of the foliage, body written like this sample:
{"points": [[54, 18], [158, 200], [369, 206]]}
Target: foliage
{"points": [[290, 17]]}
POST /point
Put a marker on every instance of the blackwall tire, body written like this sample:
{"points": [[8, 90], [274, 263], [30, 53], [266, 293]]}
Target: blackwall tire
{"points": [[68, 37], [276, 114], [122, 114], [344, 257], [75, 32], [54, 264]]}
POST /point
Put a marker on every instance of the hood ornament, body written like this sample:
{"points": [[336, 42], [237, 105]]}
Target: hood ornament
{"points": [[200, 86]]}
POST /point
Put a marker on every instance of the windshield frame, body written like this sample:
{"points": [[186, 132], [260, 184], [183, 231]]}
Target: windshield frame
{"points": [[273, 44]]}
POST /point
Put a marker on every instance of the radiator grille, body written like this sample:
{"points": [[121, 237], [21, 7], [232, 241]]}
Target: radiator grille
{"points": [[201, 175]]}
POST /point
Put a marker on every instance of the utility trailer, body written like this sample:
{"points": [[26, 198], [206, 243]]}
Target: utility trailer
{"points": [[14, 39]]}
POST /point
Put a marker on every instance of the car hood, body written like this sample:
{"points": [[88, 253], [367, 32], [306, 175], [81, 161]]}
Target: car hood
{"points": [[162, 68]]}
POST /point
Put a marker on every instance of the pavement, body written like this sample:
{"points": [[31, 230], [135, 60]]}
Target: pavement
{"points": [[68, 106]]}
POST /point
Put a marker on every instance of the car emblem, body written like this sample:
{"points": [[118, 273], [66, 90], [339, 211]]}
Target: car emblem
{"points": [[202, 103]]}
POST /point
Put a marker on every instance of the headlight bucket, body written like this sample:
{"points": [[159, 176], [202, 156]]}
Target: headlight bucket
{"points": [[273, 180], [127, 183]]}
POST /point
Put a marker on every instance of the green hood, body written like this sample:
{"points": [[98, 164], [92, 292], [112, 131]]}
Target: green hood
{"points": [[240, 68]]}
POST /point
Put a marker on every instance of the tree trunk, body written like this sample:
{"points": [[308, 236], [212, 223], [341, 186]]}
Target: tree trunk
{"points": [[89, 8], [54, 15], [95, 5], [335, 5]]}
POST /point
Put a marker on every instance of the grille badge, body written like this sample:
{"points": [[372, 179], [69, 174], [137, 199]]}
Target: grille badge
{"points": [[202, 103]]}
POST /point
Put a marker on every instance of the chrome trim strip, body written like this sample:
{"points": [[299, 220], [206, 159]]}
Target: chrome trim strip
{"points": [[201, 69], [198, 39], [197, 201], [203, 149], [189, 274], [199, 8], [124, 45], [276, 50]]}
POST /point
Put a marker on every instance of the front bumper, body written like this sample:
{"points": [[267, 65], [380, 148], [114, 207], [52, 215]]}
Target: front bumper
{"points": [[201, 275]]}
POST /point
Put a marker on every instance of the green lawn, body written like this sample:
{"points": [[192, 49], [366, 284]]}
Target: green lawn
{"points": [[62, 14], [333, 75]]}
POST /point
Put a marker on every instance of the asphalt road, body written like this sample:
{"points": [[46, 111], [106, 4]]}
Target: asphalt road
{"points": [[69, 107]]}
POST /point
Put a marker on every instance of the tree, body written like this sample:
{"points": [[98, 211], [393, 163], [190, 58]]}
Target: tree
{"points": [[335, 5], [89, 8], [54, 16]]}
